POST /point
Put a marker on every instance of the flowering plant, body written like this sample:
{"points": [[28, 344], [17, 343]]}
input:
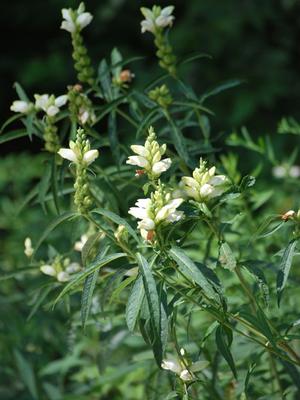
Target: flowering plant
{"points": [[175, 252]]}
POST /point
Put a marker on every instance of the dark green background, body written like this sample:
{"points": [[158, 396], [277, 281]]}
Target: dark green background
{"points": [[255, 40]]}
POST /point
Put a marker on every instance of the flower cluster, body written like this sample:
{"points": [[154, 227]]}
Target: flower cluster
{"points": [[205, 184], [28, 249], [182, 367], [149, 157], [159, 209], [61, 270], [81, 154], [157, 18], [161, 95], [50, 104], [80, 106], [155, 21], [22, 106], [74, 21]]}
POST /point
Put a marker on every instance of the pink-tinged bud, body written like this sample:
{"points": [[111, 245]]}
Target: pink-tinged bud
{"points": [[288, 215]]}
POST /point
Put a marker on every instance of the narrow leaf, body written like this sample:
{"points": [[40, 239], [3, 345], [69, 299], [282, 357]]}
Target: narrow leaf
{"points": [[134, 304], [224, 349], [284, 268], [190, 271]]}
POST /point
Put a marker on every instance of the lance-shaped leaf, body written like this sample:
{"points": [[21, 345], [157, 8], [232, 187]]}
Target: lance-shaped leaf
{"points": [[189, 269], [224, 348], [134, 304], [94, 266], [284, 268], [153, 305]]}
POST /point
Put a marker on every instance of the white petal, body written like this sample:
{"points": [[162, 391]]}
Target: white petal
{"points": [[20, 106], [137, 160], [140, 150], [68, 154], [143, 203], [90, 156], [218, 180], [68, 26], [162, 21], [185, 375], [48, 270], [63, 276], [161, 166], [175, 216], [84, 19], [73, 267], [66, 13], [206, 190], [192, 192], [61, 100], [147, 26], [41, 101], [147, 224], [137, 212], [171, 364], [166, 11], [52, 110], [147, 13]]}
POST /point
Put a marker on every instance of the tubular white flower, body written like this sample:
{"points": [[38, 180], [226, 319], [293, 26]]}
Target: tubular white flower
{"points": [[161, 166], [204, 185], [50, 104], [48, 270], [73, 268], [185, 375], [160, 208], [78, 246], [61, 100], [75, 20], [138, 160], [20, 106], [90, 156], [68, 154], [28, 247], [172, 364], [165, 18], [63, 276], [84, 19], [149, 157]]}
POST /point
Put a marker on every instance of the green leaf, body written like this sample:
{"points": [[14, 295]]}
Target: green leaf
{"points": [[43, 293], [154, 306], [178, 140], [87, 296], [134, 303], [113, 137], [192, 104], [26, 373], [95, 265], [6, 137], [20, 91], [193, 57], [88, 245], [189, 269], [226, 257], [105, 79], [150, 117], [118, 220], [224, 348], [284, 268], [59, 220], [44, 186], [220, 88]]}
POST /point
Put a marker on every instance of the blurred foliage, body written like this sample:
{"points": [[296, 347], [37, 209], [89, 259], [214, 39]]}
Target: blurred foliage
{"points": [[251, 40]]}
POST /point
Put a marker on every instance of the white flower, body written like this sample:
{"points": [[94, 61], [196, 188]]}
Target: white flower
{"points": [[75, 155], [28, 247], [63, 276], [149, 156], [73, 268], [165, 18], [20, 106], [78, 246], [48, 270], [50, 104], [156, 18], [204, 185], [182, 368], [150, 215], [75, 20]]}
